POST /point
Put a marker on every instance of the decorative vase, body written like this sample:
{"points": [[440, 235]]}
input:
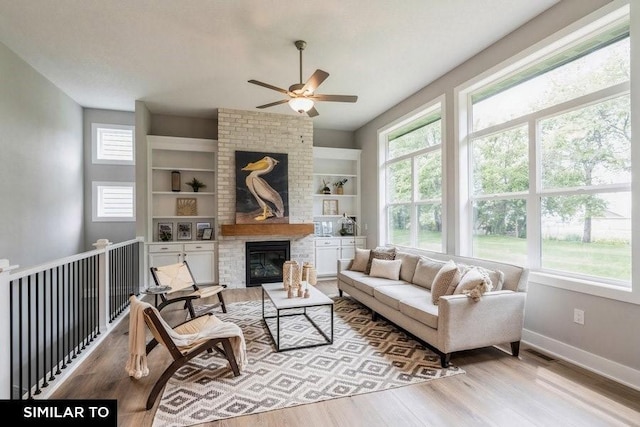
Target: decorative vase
{"points": [[175, 181], [309, 274], [326, 190], [339, 190], [291, 274]]}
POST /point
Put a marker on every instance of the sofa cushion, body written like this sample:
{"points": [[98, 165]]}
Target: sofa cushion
{"points": [[426, 271], [361, 259], [496, 276], [420, 309], [409, 263], [472, 278], [392, 295], [380, 252], [367, 284], [387, 269], [348, 276], [445, 281]]}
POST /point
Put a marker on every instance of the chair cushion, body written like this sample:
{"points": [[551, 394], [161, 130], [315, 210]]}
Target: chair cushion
{"points": [[208, 291], [392, 295], [387, 269]]}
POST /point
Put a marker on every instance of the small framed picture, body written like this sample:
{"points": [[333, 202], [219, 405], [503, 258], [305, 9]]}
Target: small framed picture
{"points": [[187, 207], [165, 231], [184, 231], [200, 226], [207, 234], [330, 207], [317, 228]]}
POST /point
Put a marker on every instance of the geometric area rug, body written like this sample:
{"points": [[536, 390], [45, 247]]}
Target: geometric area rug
{"points": [[366, 356]]}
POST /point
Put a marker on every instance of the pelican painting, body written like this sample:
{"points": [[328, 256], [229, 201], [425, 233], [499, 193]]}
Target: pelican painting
{"points": [[262, 195]]}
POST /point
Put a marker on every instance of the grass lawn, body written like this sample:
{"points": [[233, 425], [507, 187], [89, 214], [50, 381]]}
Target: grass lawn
{"points": [[610, 260]]}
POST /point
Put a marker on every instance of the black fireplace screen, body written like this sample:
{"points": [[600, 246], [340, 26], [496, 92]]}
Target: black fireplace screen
{"points": [[265, 261]]}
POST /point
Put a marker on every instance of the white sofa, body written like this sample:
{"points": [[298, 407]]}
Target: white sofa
{"points": [[457, 322]]}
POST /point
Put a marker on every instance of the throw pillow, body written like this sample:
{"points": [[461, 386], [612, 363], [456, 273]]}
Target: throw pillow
{"points": [[409, 262], [472, 278], [361, 259], [387, 269], [445, 281], [380, 252], [496, 276], [426, 271]]}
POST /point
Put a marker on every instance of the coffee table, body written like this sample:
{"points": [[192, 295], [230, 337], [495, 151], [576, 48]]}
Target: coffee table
{"points": [[284, 306]]}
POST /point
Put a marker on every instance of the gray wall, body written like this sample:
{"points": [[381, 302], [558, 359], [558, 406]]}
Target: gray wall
{"points": [[549, 312], [333, 138], [116, 231], [188, 127], [41, 208]]}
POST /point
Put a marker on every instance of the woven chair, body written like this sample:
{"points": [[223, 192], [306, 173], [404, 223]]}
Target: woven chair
{"points": [[178, 284], [181, 355]]}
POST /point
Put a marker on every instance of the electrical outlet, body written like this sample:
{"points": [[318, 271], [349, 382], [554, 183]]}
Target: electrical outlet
{"points": [[578, 316]]}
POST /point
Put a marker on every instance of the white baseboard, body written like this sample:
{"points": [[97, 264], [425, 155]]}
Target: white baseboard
{"points": [[589, 361]]}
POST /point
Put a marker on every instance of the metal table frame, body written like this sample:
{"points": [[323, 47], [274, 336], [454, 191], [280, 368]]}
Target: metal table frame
{"points": [[276, 338]]}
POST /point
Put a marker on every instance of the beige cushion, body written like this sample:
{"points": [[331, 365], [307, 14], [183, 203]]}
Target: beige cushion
{"points": [[360, 260], [348, 276], [426, 271], [368, 284], [392, 295], [409, 262], [380, 252], [387, 269], [496, 276], [420, 309], [445, 281], [473, 277]]}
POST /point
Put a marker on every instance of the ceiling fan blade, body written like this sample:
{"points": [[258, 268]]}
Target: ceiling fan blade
{"points": [[272, 104], [314, 81], [312, 112], [268, 86], [335, 98]]}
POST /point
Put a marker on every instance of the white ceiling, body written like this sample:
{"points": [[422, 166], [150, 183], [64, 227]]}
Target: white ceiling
{"points": [[189, 57]]}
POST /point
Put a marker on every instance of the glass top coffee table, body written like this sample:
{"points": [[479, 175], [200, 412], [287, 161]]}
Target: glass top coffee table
{"points": [[295, 308]]}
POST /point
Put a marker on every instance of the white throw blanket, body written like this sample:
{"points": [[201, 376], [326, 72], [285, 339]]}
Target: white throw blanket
{"points": [[185, 339], [137, 364]]}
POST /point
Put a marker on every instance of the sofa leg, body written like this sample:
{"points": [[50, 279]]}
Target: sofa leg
{"points": [[444, 359], [374, 316], [515, 348], [340, 293]]}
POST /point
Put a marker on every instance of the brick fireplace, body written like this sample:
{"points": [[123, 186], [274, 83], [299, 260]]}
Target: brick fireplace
{"points": [[268, 132]]}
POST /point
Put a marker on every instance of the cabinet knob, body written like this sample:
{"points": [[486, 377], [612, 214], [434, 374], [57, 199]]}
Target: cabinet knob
{"points": [[164, 249]]}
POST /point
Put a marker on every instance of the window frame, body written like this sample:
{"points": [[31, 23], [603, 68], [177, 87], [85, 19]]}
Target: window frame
{"points": [[598, 21], [95, 199], [94, 144], [436, 105]]}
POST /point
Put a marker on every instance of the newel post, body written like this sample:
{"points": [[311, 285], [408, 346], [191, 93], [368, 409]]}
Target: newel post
{"points": [[103, 283], [5, 329]]}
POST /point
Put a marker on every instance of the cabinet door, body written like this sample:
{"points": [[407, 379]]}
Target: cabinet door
{"points": [[348, 252], [201, 266], [327, 261]]}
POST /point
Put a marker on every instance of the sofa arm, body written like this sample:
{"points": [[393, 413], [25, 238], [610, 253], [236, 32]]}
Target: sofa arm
{"points": [[344, 264], [465, 324]]}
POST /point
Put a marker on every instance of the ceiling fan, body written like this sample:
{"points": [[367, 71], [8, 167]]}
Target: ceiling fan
{"points": [[301, 96]]}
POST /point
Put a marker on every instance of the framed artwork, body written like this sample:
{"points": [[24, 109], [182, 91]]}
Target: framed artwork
{"points": [[327, 228], [262, 188], [200, 226], [317, 228], [207, 234], [187, 207], [184, 231], [330, 207], [165, 231]]}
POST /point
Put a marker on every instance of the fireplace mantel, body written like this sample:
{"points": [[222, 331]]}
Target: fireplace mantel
{"points": [[267, 229]]}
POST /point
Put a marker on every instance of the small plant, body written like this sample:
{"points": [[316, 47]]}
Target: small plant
{"points": [[196, 184], [339, 184]]}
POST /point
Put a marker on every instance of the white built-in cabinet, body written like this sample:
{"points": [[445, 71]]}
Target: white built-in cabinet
{"points": [[191, 158], [331, 165], [328, 250]]}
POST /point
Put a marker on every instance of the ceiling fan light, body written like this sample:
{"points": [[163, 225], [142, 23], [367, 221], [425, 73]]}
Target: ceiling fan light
{"points": [[301, 105]]}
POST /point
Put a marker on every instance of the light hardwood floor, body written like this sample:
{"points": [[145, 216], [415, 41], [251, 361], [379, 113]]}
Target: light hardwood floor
{"points": [[497, 390]]}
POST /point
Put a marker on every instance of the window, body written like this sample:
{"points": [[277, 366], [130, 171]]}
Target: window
{"points": [[113, 201], [549, 152], [413, 181], [112, 144]]}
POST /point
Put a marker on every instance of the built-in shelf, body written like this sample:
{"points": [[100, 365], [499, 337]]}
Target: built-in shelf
{"points": [[266, 229]]}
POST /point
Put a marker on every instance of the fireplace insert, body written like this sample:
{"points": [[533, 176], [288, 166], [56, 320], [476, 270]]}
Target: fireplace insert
{"points": [[265, 261]]}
